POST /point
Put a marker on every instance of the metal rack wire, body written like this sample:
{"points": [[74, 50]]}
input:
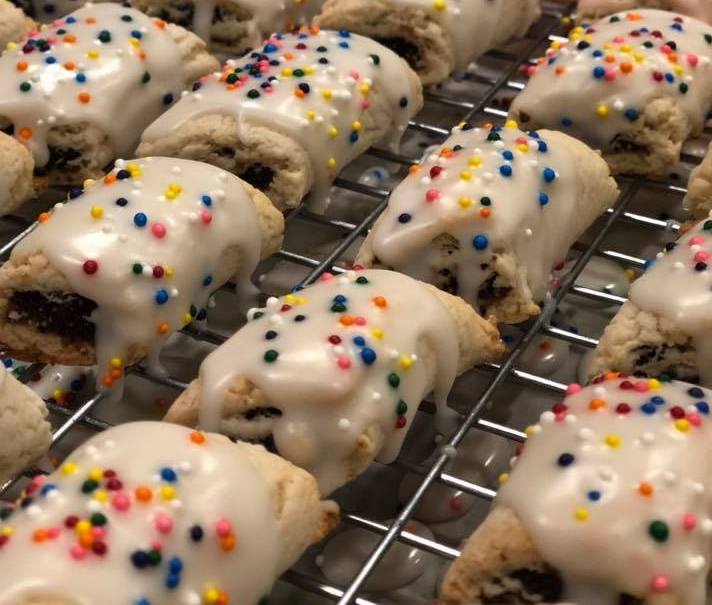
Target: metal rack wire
{"points": [[550, 27]]}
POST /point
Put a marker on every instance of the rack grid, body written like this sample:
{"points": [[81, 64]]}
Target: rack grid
{"points": [[551, 26]]}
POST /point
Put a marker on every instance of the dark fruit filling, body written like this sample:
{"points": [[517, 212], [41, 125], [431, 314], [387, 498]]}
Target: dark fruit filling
{"points": [[66, 315], [403, 48], [258, 175]]}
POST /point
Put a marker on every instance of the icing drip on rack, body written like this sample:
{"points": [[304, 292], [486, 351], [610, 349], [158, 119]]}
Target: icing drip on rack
{"points": [[340, 359], [597, 84], [148, 513], [313, 86], [148, 244], [678, 287], [268, 16], [616, 475], [492, 189], [106, 65]]}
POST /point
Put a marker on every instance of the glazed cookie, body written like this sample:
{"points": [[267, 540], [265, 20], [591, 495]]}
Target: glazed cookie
{"points": [[634, 85], [594, 9], [15, 173], [287, 118], [490, 213], [436, 38], [14, 24], [333, 374], [108, 276], [149, 512], [25, 434], [233, 26], [79, 93], [608, 503], [698, 199], [664, 328]]}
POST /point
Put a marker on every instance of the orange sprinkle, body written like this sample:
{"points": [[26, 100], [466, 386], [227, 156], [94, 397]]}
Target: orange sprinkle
{"points": [[110, 179], [25, 133], [488, 125], [143, 493], [43, 217], [610, 375], [315, 29], [228, 542], [163, 328], [86, 540], [116, 373], [84, 97], [222, 598], [107, 380], [381, 302], [232, 87], [197, 437], [633, 17], [288, 55], [90, 20], [645, 489], [298, 92], [39, 535], [626, 67], [69, 66], [21, 65], [485, 212], [560, 69], [141, 55], [159, 23], [610, 59], [414, 169], [70, 38], [346, 320], [672, 57], [596, 404]]}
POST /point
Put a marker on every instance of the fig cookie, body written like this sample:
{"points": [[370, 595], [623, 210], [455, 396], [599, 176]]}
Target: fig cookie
{"points": [[664, 328], [435, 37], [79, 93], [613, 474], [634, 85], [288, 117], [107, 277], [333, 374], [489, 214], [153, 513]]}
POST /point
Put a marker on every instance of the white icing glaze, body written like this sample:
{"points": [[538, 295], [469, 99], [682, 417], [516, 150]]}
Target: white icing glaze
{"points": [[616, 475], [59, 382], [367, 379], [153, 279], [595, 99], [128, 79], [678, 287], [484, 188], [190, 484], [46, 11], [345, 553], [328, 119], [700, 9], [268, 16]]}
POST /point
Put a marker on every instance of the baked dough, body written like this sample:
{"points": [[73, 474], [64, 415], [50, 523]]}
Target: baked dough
{"points": [[608, 503], [14, 24], [634, 85], [436, 38], [16, 164], [664, 328], [287, 118], [489, 214], [25, 434], [149, 512], [698, 199], [594, 9], [79, 93], [107, 277], [333, 374]]}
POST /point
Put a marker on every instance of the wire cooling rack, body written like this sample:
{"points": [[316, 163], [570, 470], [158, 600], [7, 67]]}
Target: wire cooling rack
{"points": [[481, 97]]}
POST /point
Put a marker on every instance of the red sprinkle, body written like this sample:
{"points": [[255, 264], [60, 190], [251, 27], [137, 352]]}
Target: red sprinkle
{"points": [[90, 267]]}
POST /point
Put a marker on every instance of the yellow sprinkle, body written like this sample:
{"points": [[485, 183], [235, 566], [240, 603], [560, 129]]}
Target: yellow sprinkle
{"points": [[356, 126], [57, 393], [175, 187], [566, 20], [82, 527], [331, 163], [581, 514], [377, 333], [406, 362], [625, 48], [97, 212], [311, 115], [290, 298], [678, 70], [503, 478], [168, 492], [613, 441], [466, 176], [96, 474], [465, 202], [364, 89], [69, 468], [439, 5], [608, 46], [309, 70], [287, 71], [630, 274], [602, 111], [135, 42], [575, 36], [210, 596], [93, 54], [529, 431], [639, 57], [327, 94], [333, 132], [475, 161], [187, 318], [87, 183], [301, 300], [168, 271], [654, 384], [6, 531], [116, 362], [11, 46], [511, 124], [556, 45], [170, 195], [101, 496], [682, 425], [523, 147]]}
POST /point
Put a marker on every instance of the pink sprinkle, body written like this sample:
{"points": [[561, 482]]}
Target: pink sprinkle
{"points": [[326, 276], [694, 241], [206, 217], [157, 546], [158, 230], [365, 104], [619, 39], [223, 528], [354, 74], [98, 532], [689, 521], [572, 389], [432, 195], [693, 60], [665, 49], [344, 362], [641, 386], [121, 502], [360, 321], [694, 419], [702, 256], [77, 552], [660, 583], [610, 75], [560, 417], [163, 523], [53, 532]]}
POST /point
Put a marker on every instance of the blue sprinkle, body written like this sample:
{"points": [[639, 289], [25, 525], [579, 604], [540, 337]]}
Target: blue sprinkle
{"points": [[508, 155], [207, 200], [669, 77], [142, 602], [631, 114], [340, 298], [534, 135], [167, 98], [360, 341], [270, 48], [140, 219], [80, 77], [657, 400], [648, 408], [297, 288], [175, 565], [549, 175], [404, 218], [566, 459], [353, 137], [703, 406], [594, 495], [70, 20], [597, 54], [480, 242], [207, 280], [677, 26], [172, 581], [161, 296], [505, 170], [543, 147], [368, 356], [566, 122], [695, 392], [648, 263], [76, 385], [46, 488], [168, 474], [344, 33], [598, 72], [344, 44], [7, 363], [50, 60], [136, 34], [543, 198]]}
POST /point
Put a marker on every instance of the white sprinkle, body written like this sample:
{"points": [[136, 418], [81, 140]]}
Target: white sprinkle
{"points": [[678, 265], [707, 526], [697, 487], [670, 477], [570, 419], [276, 320], [123, 238], [547, 417], [211, 302], [376, 396], [219, 194], [176, 170], [606, 475], [192, 598], [528, 232], [174, 292], [147, 270], [33, 510], [272, 300], [584, 434], [647, 438], [425, 180], [94, 505], [339, 350], [344, 424], [185, 467], [535, 429], [695, 564], [618, 105]]}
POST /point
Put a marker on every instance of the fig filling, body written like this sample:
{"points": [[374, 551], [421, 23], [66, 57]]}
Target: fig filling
{"points": [[667, 356], [403, 48], [258, 175], [67, 315], [60, 158]]}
